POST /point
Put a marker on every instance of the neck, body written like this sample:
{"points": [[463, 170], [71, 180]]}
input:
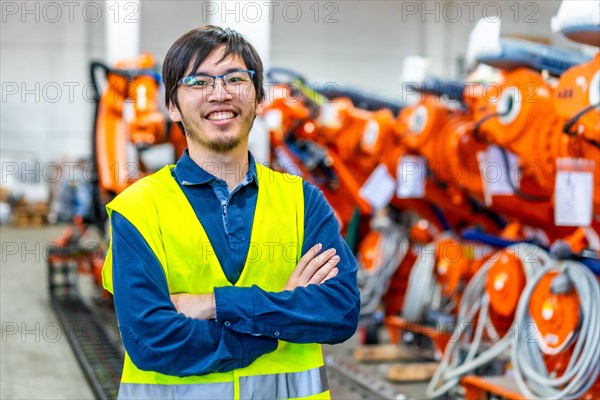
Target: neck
{"points": [[231, 167]]}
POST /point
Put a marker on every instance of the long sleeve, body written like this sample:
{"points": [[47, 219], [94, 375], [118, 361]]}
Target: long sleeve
{"points": [[155, 335], [326, 313]]}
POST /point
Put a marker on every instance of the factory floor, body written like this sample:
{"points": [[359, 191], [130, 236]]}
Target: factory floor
{"points": [[36, 359]]}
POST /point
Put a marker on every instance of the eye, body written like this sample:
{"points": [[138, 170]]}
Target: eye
{"points": [[199, 81], [237, 77]]}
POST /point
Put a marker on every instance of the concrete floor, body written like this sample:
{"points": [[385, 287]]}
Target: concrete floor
{"points": [[36, 359]]}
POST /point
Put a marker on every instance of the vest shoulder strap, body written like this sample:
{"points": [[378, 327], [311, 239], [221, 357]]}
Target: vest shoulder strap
{"points": [[137, 205]]}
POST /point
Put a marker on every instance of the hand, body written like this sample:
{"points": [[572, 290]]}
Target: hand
{"points": [[198, 306], [314, 268]]}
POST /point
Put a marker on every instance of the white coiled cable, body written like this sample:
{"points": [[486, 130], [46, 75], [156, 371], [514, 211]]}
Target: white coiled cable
{"points": [[475, 304], [424, 291], [530, 372], [422, 287], [392, 248]]}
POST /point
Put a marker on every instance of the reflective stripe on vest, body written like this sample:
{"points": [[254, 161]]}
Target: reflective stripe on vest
{"points": [[272, 386], [205, 391], [284, 386]]}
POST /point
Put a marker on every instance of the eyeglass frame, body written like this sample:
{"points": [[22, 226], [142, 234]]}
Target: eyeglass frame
{"points": [[251, 72]]}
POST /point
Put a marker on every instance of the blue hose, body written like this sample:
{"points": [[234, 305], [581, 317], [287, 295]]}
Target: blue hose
{"points": [[485, 238]]}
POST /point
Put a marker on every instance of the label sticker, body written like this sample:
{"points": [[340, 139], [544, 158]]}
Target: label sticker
{"points": [[379, 188], [573, 192], [412, 174], [495, 175]]}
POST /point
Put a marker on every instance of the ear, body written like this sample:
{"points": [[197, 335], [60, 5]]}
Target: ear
{"points": [[174, 113], [259, 108]]}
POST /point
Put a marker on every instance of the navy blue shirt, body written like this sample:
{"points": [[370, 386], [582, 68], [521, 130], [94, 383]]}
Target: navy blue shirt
{"points": [[249, 320]]}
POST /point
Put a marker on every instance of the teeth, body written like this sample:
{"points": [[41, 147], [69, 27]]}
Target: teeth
{"points": [[220, 115]]}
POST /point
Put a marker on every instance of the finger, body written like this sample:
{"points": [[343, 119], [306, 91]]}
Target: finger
{"points": [[305, 260], [332, 274], [314, 265], [324, 270]]}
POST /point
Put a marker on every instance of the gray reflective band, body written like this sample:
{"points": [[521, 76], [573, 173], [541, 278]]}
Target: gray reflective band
{"points": [[273, 386], [204, 391], [284, 386]]}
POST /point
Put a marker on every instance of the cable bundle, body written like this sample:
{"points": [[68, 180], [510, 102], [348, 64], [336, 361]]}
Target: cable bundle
{"points": [[531, 374], [392, 247], [475, 307], [423, 292]]}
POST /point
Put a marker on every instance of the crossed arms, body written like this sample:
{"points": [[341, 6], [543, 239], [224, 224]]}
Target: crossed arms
{"points": [[314, 268]]}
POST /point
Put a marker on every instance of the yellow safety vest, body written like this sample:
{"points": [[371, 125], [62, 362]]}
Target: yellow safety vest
{"points": [[157, 207]]}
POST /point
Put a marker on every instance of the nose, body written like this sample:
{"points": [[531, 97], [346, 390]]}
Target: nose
{"points": [[219, 91]]}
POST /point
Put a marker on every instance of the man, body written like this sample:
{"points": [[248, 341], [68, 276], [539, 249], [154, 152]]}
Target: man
{"points": [[220, 284]]}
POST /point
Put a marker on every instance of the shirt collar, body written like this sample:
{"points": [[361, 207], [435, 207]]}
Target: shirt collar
{"points": [[189, 173]]}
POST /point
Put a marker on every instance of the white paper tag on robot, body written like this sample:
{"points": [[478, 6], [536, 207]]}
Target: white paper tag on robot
{"points": [[370, 135], [495, 175], [379, 188], [329, 115], [273, 119], [412, 174], [573, 193]]}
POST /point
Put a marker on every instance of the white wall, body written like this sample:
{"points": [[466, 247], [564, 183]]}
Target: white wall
{"points": [[165, 21], [44, 105], [352, 43], [367, 44], [360, 45]]}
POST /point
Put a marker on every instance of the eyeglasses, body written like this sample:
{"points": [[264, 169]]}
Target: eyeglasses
{"points": [[230, 80]]}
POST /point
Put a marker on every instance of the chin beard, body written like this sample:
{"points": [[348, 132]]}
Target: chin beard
{"points": [[219, 146]]}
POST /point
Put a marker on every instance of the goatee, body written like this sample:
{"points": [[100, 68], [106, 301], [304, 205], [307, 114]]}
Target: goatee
{"points": [[219, 146]]}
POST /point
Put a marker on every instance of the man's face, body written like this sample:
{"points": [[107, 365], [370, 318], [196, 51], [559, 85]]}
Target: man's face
{"points": [[218, 120]]}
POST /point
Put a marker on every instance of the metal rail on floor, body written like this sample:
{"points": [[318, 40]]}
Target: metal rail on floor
{"points": [[97, 353], [349, 374]]}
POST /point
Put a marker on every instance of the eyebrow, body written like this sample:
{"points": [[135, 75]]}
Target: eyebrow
{"points": [[226, 71]]}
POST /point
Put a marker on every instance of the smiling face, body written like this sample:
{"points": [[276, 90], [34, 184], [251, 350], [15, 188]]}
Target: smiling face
{"points": [[219, 119]]}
